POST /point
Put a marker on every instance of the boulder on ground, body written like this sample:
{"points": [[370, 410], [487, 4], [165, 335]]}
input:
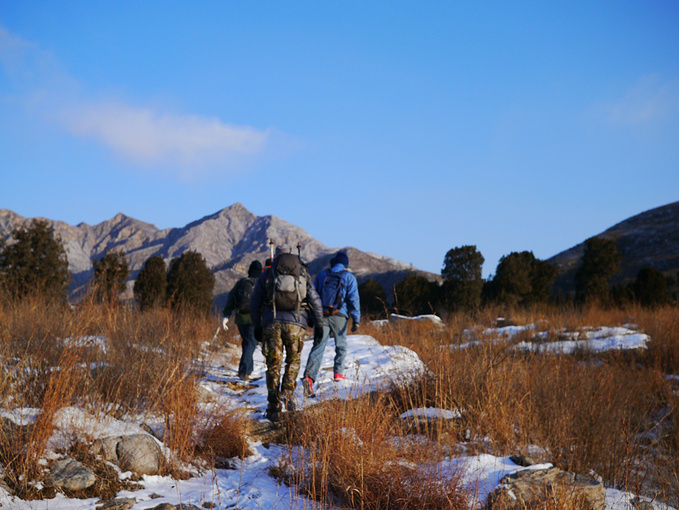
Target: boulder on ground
{"points": [[71, 475], [139, 453], [537, 487]]}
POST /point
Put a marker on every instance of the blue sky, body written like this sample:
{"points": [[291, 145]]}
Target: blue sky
{"points": [[401, 128]]}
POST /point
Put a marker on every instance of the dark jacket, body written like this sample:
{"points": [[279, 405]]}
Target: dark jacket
{"points": [[233, 303], [261, 311]]}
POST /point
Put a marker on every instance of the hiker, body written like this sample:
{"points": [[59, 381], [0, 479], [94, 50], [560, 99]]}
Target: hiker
{"points": [[282, 304], [338, 289], [239, 301]]}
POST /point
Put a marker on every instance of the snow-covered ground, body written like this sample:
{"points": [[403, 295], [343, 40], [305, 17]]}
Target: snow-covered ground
{"points": [[370, 365], [566, 342]]}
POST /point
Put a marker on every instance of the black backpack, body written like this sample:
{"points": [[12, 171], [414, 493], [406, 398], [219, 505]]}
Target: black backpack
{"points": [[286, 285], [245, 289]]}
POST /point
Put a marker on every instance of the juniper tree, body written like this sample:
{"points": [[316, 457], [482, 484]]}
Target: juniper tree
{"points": [[35, 262], [110, 273], [151, 284], [415, 295], [190, 283], [600, 262], [650, 288], [462, 278], [521, 279], [373, 298]]}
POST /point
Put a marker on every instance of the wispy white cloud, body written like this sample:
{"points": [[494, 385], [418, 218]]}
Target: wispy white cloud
{"points": [[650, 101], [151, 137], [145, 136]]}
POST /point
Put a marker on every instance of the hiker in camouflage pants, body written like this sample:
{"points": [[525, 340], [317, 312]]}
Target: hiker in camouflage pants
{"points": [[276, 337], [283, 329]]}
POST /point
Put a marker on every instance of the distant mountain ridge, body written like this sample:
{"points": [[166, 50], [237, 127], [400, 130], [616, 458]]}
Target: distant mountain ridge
{"points": [[228, 239], [650, 238]]}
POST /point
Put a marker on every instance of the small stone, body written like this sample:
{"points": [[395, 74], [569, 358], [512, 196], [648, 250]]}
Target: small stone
{"points": [[117, 504], [522, 460]]}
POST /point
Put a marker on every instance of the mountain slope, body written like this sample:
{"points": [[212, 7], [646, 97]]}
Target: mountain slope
{"points": [[647, 239], [228, 239]]}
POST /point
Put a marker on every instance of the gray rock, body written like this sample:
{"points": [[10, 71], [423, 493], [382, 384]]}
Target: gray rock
{"points": [[533, 487], [522, 460], [71, 475], [117, 504], [180, 506], [138, 453], [141, 454]]}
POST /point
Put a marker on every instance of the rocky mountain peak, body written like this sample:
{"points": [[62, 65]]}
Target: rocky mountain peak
{"points": [[229, 240]]}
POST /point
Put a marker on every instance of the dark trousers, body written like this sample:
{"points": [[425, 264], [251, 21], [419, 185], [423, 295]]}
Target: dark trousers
{"points": [[248, 344]]}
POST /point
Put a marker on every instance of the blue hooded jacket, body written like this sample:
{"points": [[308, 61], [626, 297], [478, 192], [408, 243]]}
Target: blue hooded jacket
{"points": [[351, 306]]}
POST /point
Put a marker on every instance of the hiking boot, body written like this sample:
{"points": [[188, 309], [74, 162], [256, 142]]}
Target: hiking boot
{"points": [[290, 404], [273, 416], [308, 385], [244, 377], [339, 377]]}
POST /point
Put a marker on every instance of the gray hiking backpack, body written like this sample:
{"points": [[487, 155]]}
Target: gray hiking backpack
{"points": [[286, 286]]}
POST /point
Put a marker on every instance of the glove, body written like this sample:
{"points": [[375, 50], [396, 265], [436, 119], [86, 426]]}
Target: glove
{"points": [[354, 327], [258, 334], [225, 321], [318, 334]]}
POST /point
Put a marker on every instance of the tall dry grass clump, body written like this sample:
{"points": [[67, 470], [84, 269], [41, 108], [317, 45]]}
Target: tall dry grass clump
{"points": [[348, 453]]}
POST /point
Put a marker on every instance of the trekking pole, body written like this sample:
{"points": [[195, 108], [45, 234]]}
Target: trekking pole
{"points": [[273, 275], [214, 338]]}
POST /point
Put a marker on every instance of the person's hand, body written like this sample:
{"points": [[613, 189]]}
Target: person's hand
{"points": [[318, 334], [225, 321], [354, 327], [258, 334]]}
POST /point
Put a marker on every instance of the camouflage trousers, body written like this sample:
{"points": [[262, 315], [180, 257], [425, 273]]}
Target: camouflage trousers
{"points": [[276, 337]]}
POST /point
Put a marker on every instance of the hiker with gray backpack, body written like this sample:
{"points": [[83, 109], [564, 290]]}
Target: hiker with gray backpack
{"points": [[283, 304], [239, 301], [338, 289]]}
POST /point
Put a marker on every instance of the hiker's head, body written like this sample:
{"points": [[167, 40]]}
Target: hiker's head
{"points": [[342, 258], [255, 269], [283, 248]]}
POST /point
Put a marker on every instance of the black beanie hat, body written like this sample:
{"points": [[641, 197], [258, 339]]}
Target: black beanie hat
{"points": [[255, 269], [342, 258]]}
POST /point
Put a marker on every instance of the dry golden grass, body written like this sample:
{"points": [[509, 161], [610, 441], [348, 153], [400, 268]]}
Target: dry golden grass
{"points": [[346, 453], [612, 414], [111, 360]]}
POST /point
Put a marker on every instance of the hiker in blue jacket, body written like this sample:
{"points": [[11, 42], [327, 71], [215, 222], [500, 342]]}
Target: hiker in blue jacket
{"points": [[338, 290]]}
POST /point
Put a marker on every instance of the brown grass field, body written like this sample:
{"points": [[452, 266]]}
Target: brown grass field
{"points": [[610, 415]]}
